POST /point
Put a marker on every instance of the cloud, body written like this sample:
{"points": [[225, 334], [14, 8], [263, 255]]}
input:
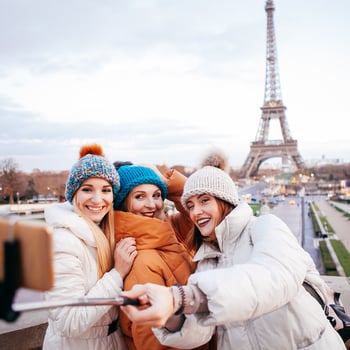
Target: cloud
{"points": [[159, 81]]}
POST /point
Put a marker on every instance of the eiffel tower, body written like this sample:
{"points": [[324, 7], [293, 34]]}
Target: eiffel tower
{"points": [[262, 148]]}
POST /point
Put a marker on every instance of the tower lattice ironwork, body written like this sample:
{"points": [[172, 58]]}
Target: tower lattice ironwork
{"points": [[262, 148]]}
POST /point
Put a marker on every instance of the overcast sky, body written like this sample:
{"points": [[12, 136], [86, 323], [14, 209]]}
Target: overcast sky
{"points": [[162, 81]]}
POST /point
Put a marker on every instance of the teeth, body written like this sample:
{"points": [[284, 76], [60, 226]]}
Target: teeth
{"points": [[202, 221], [95, 209]]}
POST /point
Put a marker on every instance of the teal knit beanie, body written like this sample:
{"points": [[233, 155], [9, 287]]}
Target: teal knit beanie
{"points": [[134, 175]]}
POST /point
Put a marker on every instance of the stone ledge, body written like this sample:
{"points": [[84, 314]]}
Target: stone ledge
{"points": [[24, 339]]}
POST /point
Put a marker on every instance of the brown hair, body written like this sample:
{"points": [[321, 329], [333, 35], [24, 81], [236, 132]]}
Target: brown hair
{"points": [[195, 239], [127, 206]]}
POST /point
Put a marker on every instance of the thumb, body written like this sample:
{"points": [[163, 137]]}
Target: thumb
{"points": [[136, 291]]}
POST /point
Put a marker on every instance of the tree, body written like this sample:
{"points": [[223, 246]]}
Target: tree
{"points": [[30, 192], [11, 180]]}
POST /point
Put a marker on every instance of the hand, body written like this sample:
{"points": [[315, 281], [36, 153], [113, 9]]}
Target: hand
{"points": [[157, 304], [157, 171], [124, 255]]}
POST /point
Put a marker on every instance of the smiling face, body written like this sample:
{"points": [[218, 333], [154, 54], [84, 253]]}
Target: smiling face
{"points": [[205, 213], [95, 198], [146, 200]]}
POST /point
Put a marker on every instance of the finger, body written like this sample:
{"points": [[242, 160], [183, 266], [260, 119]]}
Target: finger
{"points": [[145, 317], [129, 240], [132, 255], [125, 245], [126, 242], [136, 291]]}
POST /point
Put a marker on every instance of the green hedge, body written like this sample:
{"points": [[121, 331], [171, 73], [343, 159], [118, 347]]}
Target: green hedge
{"points": [[328, 263], [317, 230], [342, 254]]}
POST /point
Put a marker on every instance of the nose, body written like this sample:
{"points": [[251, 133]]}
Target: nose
{"points": [[97, 197], [150, 203], [196, 210]]}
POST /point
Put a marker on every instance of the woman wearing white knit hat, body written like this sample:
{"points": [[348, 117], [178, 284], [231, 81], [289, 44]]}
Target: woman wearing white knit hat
{"points": [[248, 285]]}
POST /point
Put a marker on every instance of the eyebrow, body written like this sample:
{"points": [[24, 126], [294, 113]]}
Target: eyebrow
{"points": [[202, 195], [91, 185], [144, 192]]}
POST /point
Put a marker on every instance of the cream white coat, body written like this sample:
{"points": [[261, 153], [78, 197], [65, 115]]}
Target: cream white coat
{"points": [[75, 271], [253, 284]]}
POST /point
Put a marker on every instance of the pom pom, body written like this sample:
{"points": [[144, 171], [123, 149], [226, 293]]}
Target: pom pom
{"points": [[118, 163], [94, 149], [216, 158]]}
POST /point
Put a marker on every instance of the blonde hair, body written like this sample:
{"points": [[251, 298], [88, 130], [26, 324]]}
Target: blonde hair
{"points": [[104, 238]]}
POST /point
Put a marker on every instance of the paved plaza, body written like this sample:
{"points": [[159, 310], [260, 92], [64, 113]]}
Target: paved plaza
{"points": [[29, 329]]}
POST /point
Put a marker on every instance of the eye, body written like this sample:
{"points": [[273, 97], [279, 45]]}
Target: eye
{"points": [[205, 200], [86, 189], [157, 195], [189, 206], [139, 196], [107, 190]]}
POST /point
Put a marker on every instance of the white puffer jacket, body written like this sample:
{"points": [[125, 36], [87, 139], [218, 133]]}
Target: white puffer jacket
{"points": [[75, 272], [256, 298]]}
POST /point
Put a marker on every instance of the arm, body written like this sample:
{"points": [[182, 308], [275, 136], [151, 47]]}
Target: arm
{"points": [[161, 302], [180, 221], [269, 279], [71, 282], [148, 267]]}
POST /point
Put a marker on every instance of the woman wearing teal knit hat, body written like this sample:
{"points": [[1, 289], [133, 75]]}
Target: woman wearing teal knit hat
{"points": [[161, 258], [87, 261]]}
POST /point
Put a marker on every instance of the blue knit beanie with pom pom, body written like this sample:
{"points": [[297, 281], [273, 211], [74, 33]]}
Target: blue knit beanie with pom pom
{"points": [[92, 163]]}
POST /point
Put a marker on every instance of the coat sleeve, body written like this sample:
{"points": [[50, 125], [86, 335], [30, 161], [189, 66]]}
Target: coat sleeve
{"points": [[180, 221], [148, 267], [191, 335], [71, 283], [269, 279]]}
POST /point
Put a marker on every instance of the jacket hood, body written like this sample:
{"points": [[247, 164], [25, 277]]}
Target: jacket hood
{"points": [[63, 215], [150, 233], [227, 232], [233, 225]]}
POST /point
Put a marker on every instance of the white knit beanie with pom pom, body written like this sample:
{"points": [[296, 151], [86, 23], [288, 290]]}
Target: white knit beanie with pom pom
{"points": [[213, 181]]}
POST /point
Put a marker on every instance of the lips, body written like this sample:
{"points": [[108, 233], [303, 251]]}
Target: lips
{"points": [[95, 209], [202, 222], [149, 214]]}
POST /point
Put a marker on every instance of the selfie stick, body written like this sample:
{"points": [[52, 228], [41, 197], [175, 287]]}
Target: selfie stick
{"points": [[39, 305], [11, 280]]}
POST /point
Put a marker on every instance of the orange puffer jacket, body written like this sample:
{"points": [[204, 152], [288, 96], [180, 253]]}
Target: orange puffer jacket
{"points": [[161, 259]]}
